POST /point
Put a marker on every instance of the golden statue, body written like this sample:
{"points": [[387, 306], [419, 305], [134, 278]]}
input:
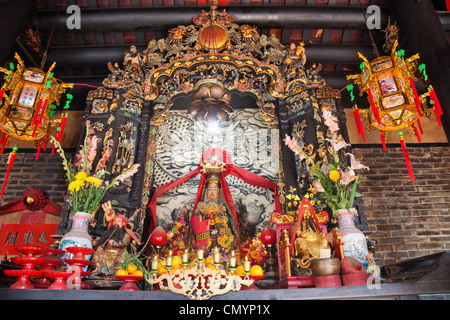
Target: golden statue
{"points": [[309, 242], [213, 225]]}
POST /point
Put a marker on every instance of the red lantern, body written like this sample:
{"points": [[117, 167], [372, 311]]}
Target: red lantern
{"points": [[268, 236], [158, 238]]}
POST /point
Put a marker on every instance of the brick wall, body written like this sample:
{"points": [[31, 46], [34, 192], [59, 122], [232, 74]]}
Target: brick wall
{"points": [[47, 174], [408, 219]]}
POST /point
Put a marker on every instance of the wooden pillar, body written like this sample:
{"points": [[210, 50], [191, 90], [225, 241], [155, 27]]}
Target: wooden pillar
{"points": [[289, 163], [425, 35]]}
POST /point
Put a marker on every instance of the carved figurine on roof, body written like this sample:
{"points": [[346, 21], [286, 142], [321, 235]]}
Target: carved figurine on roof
{"points": [[214, 71]]}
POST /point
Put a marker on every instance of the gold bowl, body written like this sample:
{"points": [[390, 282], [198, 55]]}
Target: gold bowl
{"points": [[325, 267]]}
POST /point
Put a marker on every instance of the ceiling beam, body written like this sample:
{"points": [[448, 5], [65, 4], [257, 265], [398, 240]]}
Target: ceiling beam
{"points": [[299, 17]]}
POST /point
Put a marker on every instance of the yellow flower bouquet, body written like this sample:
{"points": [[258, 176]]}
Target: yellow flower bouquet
{"points": [[334, 180], [88, 185]]}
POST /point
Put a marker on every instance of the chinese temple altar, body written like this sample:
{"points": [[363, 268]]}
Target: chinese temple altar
{"points": [[226, 156]]}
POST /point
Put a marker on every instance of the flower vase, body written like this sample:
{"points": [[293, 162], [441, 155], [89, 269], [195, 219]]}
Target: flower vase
{"points": [[78, 235], [354, 241]]}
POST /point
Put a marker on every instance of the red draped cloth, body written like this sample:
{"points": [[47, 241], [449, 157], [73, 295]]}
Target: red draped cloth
{"points": [[240, 173]]}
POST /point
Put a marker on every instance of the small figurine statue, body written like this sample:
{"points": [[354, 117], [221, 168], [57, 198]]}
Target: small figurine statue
{"points": [[112, 244], [309, 242]]}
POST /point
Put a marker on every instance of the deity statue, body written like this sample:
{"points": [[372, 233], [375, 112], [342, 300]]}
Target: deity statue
{"points": [[309, 241], [213, 224], [112, 244]]}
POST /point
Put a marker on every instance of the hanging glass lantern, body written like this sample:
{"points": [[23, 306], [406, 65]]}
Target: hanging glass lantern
{"points": [[395, 104], [26, 107], [28, 94]]}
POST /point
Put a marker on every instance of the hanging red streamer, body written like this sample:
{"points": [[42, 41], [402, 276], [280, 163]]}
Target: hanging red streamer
{"points": [[436, 106], [416, 131], [359, 124], [374, 107], [3, 142], [35, 118], [420, 126], [38, 149], [63, 125], [383, 141], [44, 106], [45, 144], [11, 158], [416, 96], [2, 92], [405, 154]]}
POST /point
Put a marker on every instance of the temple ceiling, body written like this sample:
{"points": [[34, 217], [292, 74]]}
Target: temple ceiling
{"points": [[333, 32]]}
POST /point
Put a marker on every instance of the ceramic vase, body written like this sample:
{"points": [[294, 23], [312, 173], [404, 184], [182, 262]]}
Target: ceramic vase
{"points": [[355, 245], [78, 235]]}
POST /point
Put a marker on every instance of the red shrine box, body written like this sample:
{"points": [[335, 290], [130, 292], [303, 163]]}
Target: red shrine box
{"points": [[284, 260]]}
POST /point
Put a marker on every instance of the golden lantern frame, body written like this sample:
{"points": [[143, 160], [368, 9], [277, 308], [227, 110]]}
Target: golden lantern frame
{"points": [[386, 81], [28, 95]]}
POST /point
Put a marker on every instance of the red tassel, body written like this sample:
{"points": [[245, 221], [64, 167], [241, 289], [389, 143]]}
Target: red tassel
{"points": [[45, 145], [3, 142], [374, 107], [416, 131], [35, 118], [405, 154], [416, 96], [62, 127], [12, 156], [44, 106], [437, 106], [38, 149], [420, 126], [383, 141], [359, 125], [2, 92]]}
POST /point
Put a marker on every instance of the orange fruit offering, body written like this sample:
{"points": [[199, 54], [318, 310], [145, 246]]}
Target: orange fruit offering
{"points": [[162, 267], [256, 270], [209, 260], [239, 271], [138, 273], [121, 272], [131, 268], [176, 261]]}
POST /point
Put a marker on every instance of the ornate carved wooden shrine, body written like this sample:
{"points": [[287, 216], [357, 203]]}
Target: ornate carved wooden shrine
{"points": [[159, 107]]}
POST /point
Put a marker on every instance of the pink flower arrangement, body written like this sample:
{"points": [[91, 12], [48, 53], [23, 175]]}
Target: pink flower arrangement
{"points": [[334, 180], [88, 186]]}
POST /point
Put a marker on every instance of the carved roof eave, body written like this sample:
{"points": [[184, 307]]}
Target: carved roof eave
{"points": [[284, 65]]}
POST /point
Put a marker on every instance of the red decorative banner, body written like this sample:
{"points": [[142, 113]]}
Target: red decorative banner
{"points": [[13, 235]]}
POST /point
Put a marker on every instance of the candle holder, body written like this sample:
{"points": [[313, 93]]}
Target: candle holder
{"points": [[185, 259], [77, 264], [130, 282], [53, 261], [29, 262], [269, 238], [199, 282], [59, 279]]}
